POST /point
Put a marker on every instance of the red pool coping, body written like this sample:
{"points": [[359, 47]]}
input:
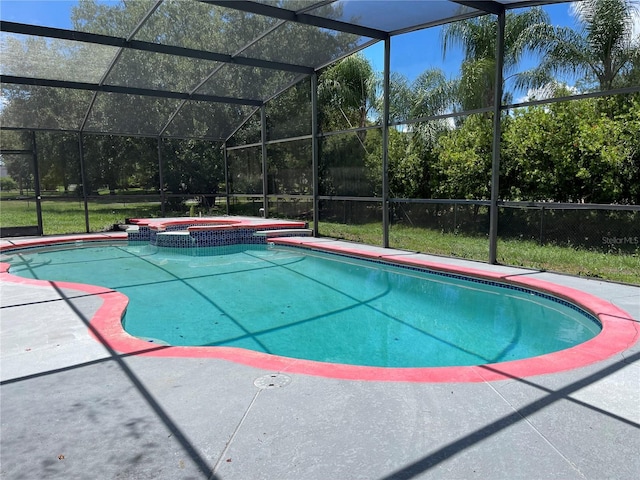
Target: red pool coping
{"points": [[207, 223], [619, 329]]}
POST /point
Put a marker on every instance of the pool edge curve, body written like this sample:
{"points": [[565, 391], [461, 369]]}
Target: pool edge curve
{"points": [[619, 329]]}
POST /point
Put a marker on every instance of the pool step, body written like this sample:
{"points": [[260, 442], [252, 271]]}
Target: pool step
{"points": [[180, 238], [177, 233], [285, 232]]}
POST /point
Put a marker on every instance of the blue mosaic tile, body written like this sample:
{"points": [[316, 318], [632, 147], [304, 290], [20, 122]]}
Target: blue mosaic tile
{"points": [[200, 238]]}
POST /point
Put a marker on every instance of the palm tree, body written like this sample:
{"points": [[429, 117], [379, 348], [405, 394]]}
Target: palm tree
{"points": [[477, 37], [603, 51], [348, 89], [429, 94]]}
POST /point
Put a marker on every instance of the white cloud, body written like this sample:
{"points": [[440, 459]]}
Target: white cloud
{"points": [[545, 92]]}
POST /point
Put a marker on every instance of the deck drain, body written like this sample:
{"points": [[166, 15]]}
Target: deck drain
{"points": [[273, 380]]}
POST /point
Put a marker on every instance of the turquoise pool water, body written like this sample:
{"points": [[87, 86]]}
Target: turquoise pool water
{"points": [[304, 304]]}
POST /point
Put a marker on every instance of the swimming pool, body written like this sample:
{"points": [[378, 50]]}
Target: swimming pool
{"points": [[383, 317]]}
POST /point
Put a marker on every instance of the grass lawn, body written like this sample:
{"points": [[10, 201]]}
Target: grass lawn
{"points": [[606, 266], [67, 216]]}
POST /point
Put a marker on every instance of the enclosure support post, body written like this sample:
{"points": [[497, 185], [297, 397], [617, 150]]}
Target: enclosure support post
{"points": [[83, 177], [495, 168], [226, 175], [265, 180], [160, 179], [542, 226], [36, 182], [385, 144], [314, 152]]}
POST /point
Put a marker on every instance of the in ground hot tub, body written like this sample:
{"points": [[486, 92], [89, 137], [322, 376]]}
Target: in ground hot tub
{"points": [[200, 232]]}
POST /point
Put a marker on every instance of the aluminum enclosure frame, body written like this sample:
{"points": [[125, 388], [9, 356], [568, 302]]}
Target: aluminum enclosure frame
{"points": [[307, 17]]}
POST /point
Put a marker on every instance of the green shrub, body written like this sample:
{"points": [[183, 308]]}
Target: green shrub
{"points": [[8, 183]]}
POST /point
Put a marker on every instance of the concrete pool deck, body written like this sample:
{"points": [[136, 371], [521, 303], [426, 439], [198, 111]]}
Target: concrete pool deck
{"points": [[71, 407]]}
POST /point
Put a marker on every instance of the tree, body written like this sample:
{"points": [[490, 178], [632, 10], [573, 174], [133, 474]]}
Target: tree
{"points": [[477, 36], [570, 152], [347, 93], [343, 164], [20, 168], [411, 165], [8, 183], [192, 166], [58, 160], [411, 147], [429, 94], [346, 97], [604, 52], [464, 166], [289, 114]]}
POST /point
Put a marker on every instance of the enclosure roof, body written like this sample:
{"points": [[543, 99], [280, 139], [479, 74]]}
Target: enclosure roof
{"points": [[186, 68]]}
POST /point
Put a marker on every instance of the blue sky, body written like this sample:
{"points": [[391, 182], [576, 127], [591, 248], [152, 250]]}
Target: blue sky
{"points": [[411, 53], [51, 13], [55, 13]]}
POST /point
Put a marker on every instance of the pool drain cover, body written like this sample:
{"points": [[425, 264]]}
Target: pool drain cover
{"points": [[273, 380]]}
